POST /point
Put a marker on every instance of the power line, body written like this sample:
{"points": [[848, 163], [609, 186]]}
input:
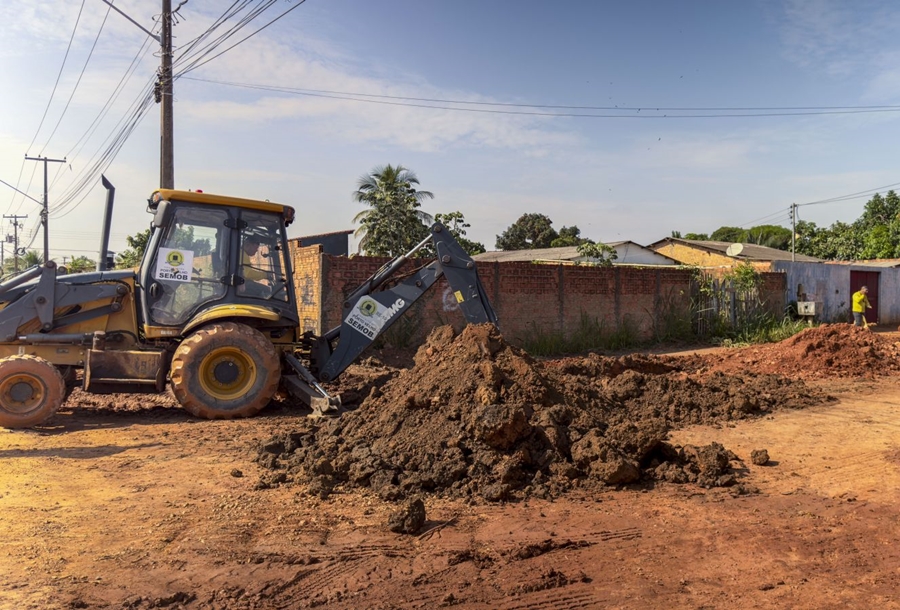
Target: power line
{"points": [[107, 106], [105, 158], [58, 76], [47, 108], [197, 63], [498, 107], [77, 82], [191, 55], [856, 195]]}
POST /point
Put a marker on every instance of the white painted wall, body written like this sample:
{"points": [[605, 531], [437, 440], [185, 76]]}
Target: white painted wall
{"points": [[830, 286]]}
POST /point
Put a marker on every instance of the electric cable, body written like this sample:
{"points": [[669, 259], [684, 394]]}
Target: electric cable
{"points": [[197, 63], [41, 124], [709, 112], [107, 106], [77, 82]]}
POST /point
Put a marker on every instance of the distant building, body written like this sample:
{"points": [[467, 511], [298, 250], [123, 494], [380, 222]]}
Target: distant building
{"points": [[336, 244], [627, 253], [722, 253]]}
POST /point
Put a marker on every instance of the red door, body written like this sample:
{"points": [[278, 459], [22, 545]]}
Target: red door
{"points": [[858, 279]]}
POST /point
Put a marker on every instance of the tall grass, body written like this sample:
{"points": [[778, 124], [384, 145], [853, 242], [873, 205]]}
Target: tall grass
{"points": [[592, 333], [765, 329]]}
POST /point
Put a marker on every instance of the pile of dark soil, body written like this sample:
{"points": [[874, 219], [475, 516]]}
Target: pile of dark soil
{"points": [[478, 418], [830, 350]]}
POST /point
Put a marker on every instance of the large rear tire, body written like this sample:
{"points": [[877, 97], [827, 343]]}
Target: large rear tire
{"points": [[31, 391], [224, 371]]}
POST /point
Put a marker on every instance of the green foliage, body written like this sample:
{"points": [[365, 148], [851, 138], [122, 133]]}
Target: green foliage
{"points": [[457, 225], [569, 236], [765, 329], [730, 312], [732, 234], [530, 231], [745, 277], [601, 255], [81, 264], [131, 257], [393, 223], [184, 239], [671, 319], [875, 234], [771, 236], [29, 259], [697, 236]]}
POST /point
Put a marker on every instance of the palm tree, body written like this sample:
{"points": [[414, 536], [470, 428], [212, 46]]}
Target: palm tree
{"points": [[392, 224], [29, 258]]}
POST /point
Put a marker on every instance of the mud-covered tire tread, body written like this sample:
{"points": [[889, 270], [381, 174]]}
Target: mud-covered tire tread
{"points": [[186, 361], [52, 380]]}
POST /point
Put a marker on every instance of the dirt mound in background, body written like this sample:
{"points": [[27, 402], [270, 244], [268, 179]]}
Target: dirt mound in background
{"points": [[830, 350], [476, 417]]}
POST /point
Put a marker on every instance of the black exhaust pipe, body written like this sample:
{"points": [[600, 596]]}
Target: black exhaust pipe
{"points": [[107, 222]]}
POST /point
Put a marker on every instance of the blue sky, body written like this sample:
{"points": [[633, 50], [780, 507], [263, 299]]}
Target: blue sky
{"points": [[628, 174]]}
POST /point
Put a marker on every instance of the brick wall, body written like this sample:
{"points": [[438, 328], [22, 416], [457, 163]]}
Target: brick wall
{"points": [[308, 276], [527, 297]]}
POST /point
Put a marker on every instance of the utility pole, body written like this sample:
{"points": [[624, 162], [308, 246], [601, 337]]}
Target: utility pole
{"points": [[14, 219], [45, 213], [793, 230], [165, 98]]}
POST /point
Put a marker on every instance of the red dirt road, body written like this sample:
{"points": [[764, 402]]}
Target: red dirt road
{"points": [[142, 510]]}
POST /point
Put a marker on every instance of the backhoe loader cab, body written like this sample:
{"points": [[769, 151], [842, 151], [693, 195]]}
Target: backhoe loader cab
{"points": [[213, 257]]}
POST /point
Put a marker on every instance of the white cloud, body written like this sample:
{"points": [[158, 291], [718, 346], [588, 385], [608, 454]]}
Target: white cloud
{"points": [[845, 40]]}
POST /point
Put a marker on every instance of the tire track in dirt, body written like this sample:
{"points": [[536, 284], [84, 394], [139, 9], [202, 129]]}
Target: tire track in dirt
{"points": [[556, 599], [335, 572]]}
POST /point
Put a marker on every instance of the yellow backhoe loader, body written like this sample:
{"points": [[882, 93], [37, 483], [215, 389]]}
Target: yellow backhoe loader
{"points": [[211, 310]]}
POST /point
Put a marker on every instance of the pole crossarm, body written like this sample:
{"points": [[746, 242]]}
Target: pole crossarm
{"points": [[45, 213]]}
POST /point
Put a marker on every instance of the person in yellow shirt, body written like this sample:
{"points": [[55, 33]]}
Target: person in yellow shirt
{"points": [[860, 305]]}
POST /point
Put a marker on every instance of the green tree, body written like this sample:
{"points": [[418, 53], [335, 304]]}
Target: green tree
{"points": [[80, 264], [569, 236], [528, 232], [393, 223], [457, 225], [599, 254], [732, 234], [696, 236], [131, 257], [840, 241], [772, 236], [29, 258]]}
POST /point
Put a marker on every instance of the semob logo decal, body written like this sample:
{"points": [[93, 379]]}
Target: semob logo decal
{"points": [[175, 258], [368, 307], [174, 265], [369, 316]]}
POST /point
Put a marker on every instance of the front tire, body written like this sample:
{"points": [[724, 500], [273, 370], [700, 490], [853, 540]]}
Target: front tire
{"points": [[31, 391], [224, 371]]}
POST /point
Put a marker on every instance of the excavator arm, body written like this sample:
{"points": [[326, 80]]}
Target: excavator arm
{"points": [[377, 304]]}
